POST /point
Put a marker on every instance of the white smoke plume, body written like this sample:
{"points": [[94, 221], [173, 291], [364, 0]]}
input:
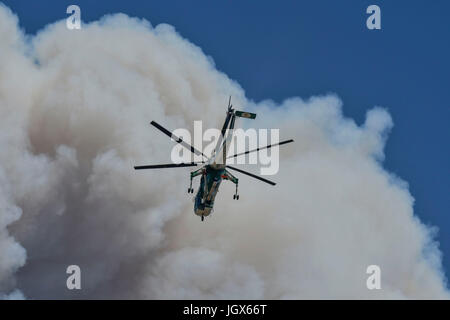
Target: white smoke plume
{"points": [[75, 108]]}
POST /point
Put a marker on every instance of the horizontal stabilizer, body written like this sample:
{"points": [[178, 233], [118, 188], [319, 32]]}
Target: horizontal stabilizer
{"points": [[243, 114]]}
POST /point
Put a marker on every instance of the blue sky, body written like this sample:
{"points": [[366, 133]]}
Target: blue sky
{"points": [[279, 49]]}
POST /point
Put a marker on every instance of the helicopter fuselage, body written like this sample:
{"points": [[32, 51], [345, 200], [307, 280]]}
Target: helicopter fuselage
{"points": [[210, 181]]}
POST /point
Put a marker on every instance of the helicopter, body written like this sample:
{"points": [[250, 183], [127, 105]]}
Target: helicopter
{"points": [[213, 173]]}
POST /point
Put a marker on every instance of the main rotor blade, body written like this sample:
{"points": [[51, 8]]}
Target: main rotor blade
{"points": [[258, 149], [252, 175], [177, 139], [162, 166]]}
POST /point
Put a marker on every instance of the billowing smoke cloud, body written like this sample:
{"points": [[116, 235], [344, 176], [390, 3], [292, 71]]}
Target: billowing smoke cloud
{"points": [[74, 114]]}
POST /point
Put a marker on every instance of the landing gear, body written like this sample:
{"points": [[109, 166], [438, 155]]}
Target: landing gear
{"points": [[236, 196], [190, 190], [203, 217]]}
